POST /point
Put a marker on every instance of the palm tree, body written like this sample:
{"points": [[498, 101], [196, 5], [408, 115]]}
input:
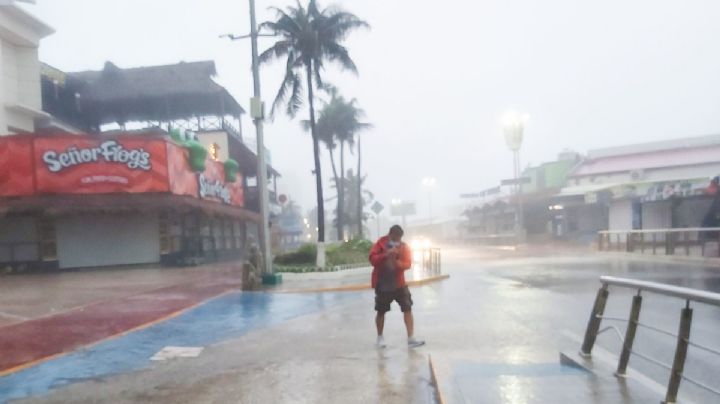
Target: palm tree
{"points": [[357, 201], [309, 38], [339, 123]]}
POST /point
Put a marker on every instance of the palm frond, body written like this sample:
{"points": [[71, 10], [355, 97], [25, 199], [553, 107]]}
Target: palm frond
{"points": [[287, 83], [296, 97], [278, 50], [335, 52]]}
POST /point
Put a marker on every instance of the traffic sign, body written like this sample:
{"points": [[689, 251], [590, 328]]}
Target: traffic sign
{"points": [[377, 207]]}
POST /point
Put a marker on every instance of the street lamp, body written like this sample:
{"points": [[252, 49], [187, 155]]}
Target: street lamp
{"points": [[513, 127], [429, 184]]}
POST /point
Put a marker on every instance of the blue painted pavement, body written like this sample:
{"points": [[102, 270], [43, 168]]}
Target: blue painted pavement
{"points": [[218, 319]]}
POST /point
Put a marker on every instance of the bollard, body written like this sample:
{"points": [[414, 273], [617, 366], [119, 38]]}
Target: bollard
{"points": [[680, 355], [594, 322], [629, 335]]}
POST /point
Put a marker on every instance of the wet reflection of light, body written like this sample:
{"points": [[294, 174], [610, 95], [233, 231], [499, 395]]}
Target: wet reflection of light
{"points": [[515, 355], [514, 390]]}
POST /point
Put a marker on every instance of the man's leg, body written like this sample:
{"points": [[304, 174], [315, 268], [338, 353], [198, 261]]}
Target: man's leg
{"points": [[404, 298], [409, 323], [380, 323]]}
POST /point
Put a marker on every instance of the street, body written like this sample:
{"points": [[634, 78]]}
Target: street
{"points": [[494, 331]]}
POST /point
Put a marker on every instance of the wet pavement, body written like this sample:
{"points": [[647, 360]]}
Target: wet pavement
{"points": [[494, 331]]}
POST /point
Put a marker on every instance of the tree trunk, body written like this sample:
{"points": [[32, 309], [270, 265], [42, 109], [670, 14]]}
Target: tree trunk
{"points": [[341, 194], [359, 190], [316, 155], [337, 186]]}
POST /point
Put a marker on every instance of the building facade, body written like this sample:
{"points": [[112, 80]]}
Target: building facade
{"points": [[20, 96], [73, 201]]}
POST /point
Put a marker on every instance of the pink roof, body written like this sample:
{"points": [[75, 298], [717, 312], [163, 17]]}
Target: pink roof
{"points": [[649, 160]]}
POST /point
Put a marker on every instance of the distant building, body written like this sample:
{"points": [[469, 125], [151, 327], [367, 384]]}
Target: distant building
{"points": [[650, 185], [20, 99], [644, 186]]}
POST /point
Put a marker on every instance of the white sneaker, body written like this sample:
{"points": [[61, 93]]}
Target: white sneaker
{"points": [[381, 342], [414, 342]]}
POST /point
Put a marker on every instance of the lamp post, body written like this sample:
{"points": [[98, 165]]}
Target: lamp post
{"points": [[429, 184], [513, 127]]}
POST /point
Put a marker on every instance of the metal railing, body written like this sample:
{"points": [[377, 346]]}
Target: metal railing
{"points": [[683, 336], [655, 241], [430, 261]]}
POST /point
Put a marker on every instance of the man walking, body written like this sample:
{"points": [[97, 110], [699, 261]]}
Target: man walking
{"points": [[390, 258]]}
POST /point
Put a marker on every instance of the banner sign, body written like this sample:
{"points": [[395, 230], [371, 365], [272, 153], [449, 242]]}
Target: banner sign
{"points": [[16, 167], [83, 164]]}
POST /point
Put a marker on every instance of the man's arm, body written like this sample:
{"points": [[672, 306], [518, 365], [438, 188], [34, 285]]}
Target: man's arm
{"points": [[404, 261], [377, 255]]}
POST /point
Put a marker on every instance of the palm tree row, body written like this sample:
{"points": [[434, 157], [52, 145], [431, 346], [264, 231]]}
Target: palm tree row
{"points": [[310, 37], [338, 124]]}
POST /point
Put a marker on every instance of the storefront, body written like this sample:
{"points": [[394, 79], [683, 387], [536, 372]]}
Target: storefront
{"points": [[72, 201]]}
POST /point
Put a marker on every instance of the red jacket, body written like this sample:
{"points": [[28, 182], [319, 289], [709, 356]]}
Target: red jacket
{"points": [[378, 255]]}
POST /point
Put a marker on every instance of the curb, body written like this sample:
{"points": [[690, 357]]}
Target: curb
{"points": [[434, 381], [363, 286]]}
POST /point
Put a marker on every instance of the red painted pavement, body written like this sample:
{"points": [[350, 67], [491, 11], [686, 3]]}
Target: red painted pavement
{"points": [[30, 341]]}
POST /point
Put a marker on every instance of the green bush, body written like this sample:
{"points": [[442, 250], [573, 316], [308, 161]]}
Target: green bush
{"points": [[306, 254], [355, 251]]}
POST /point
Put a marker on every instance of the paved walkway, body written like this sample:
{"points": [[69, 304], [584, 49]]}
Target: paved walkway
{"points": [[77, 309], [27, 342]]}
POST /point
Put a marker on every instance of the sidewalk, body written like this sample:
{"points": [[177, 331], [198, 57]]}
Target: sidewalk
{"points": [[43, 316], [59, 313]]}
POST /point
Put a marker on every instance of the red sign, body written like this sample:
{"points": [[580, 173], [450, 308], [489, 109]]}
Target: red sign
{"points": [[212, 185], [183, 181], [83, 165], [16, 166]]}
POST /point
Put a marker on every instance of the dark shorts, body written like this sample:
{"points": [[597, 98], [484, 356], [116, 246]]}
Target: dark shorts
{"points": [[401, 296]]}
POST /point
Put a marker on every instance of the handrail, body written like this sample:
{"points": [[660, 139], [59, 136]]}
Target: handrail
{"points": [[683, 335], [701, 296], [669, 230]]}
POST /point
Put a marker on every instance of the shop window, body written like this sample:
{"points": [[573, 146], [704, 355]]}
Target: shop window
{"points": [[47, 238], [164, 233], [238, 235], [229, 236]]}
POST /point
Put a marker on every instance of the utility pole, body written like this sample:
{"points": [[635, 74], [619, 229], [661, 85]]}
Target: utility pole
{"points": [[258, 111]]}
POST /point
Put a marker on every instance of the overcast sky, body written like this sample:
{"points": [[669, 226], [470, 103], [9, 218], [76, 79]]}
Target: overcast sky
{"points": [[437, 76]]}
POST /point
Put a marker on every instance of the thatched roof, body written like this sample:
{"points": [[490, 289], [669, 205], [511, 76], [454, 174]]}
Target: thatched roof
{"points": [[156, 93]]}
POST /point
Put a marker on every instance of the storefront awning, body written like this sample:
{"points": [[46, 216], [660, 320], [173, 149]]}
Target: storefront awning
{"points": [[55, 205]]}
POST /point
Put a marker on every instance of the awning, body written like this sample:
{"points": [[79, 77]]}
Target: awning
{"points": [[584, 189], [114, 203]]}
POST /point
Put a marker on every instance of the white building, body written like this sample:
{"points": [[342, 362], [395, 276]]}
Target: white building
{"points": [[652, 185], [20, 98]]}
